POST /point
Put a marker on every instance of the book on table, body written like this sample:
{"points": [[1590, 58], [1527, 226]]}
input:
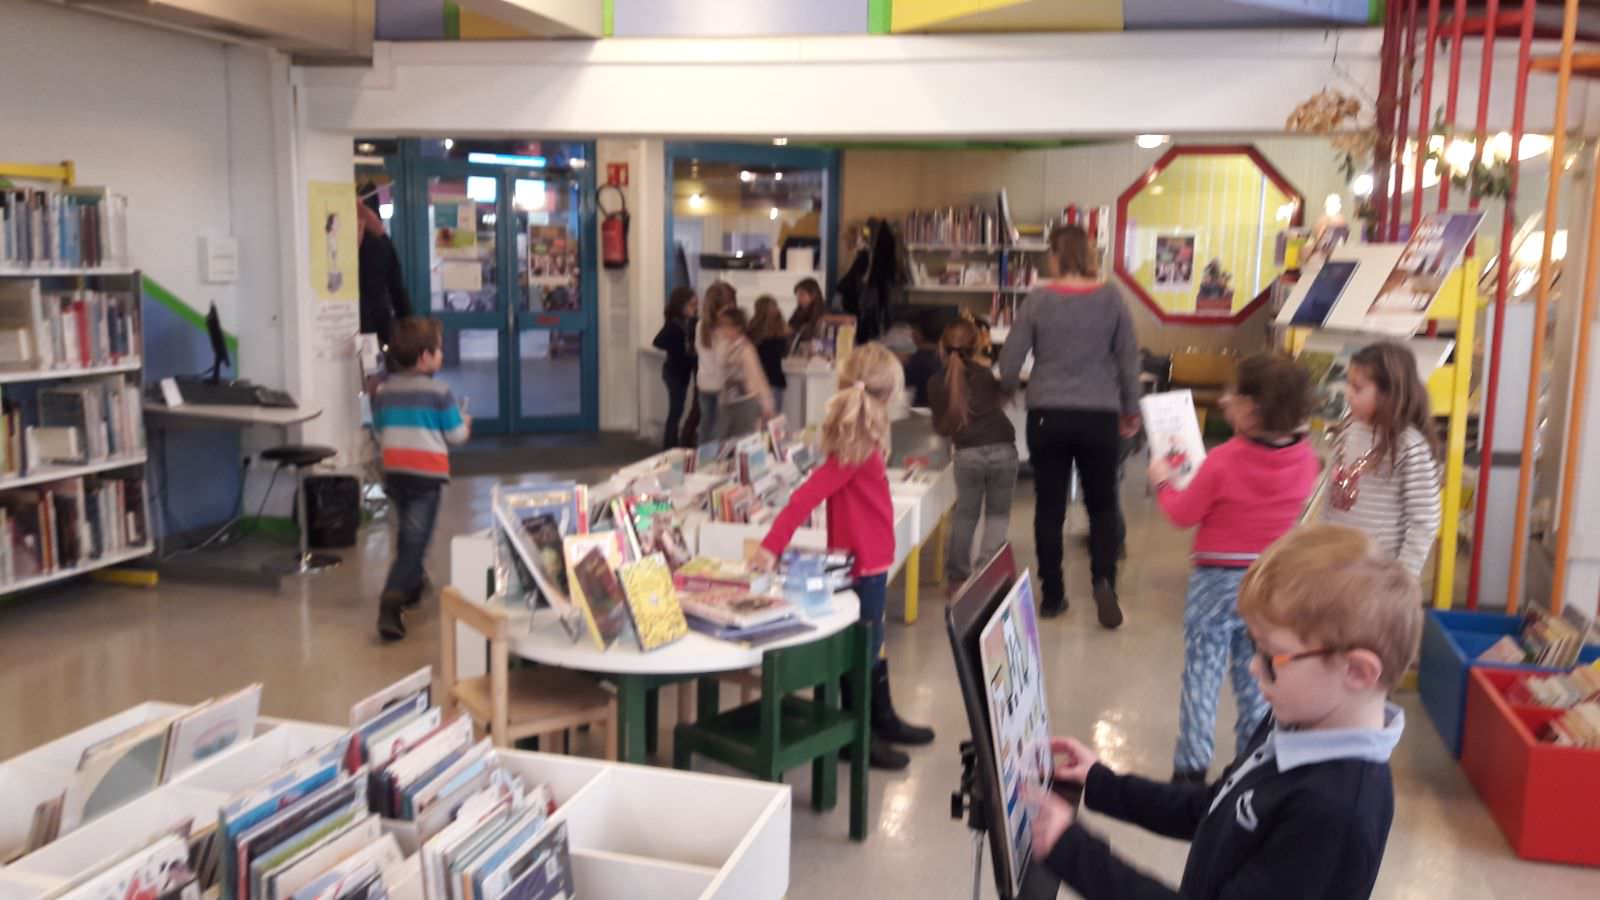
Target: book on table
{"points": [[605, 607], [576, 613], [652, 602], [735, 608]]}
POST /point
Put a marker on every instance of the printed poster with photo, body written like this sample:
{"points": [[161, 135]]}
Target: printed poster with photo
{"points": [[1174, 269], [1435, 248], [1019, 717]]}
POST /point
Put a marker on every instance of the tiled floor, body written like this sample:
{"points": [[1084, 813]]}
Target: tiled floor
{"points": [[86, 651]]}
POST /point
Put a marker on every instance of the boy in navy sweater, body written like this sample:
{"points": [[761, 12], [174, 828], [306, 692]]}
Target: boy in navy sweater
{"points": [[1304, 811]]}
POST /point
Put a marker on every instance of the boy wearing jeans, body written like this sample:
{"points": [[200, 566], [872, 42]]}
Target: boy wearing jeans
{"points": [[1305, 810], [416, 419]]}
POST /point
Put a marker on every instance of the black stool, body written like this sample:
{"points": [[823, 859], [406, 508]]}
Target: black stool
{"points": [[300, 457]]}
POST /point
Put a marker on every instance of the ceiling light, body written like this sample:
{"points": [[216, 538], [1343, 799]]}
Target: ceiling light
{"points": [[366, 147], [1362, 185], [780, 142], [746, 176], [773, 214], [777, 176], [449, 144], [1151, 141], [1158, 189], [697, 200], [578, 163]]}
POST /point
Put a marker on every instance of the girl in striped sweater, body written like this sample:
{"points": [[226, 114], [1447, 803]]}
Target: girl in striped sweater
{"points": [[1385, 475]]}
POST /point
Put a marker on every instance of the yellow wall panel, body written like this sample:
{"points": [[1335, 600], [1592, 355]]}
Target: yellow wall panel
{"points": [[1006, 15], [478, 27]]}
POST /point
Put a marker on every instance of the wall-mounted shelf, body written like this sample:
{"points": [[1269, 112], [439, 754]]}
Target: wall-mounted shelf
{"points": [[67, 273], [103, 562], [131, 364], [978, 248]]}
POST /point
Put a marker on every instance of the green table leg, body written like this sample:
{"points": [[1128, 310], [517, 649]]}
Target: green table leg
{"points": [[631, 713], [652, 719], [710, 699]]}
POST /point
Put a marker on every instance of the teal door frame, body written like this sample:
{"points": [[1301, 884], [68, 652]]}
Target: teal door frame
{"points": [[411, 171]]}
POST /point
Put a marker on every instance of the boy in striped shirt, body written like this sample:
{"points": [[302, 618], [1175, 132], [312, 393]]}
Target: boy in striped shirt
{"points": [[416, 419]]}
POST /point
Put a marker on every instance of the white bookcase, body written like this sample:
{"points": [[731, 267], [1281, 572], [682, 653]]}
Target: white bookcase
{"points": [[635, 831], [22, 293]]}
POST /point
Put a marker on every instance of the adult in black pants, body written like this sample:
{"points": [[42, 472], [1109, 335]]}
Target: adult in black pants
{"points": [[676, 339], [1083, 398]]}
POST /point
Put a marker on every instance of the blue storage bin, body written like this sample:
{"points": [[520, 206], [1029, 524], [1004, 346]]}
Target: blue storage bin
{"points": [[1451, 642]]}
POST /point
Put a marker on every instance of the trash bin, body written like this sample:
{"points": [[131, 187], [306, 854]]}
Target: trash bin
{"points": [[333, 508]]}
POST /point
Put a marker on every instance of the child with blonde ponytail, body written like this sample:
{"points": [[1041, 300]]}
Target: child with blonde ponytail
{"points": [[854, 481], [969, 408]]}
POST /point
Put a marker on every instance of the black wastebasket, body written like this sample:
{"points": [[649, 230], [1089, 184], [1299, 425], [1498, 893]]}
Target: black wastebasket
{"points": [[333, 506]]}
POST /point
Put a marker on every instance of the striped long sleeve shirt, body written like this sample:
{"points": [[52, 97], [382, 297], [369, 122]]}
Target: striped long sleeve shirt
{"points": [[1397, 500], [417, 419]]}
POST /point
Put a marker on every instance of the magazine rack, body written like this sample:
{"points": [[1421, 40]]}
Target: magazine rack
{"points": [[687, 836]]}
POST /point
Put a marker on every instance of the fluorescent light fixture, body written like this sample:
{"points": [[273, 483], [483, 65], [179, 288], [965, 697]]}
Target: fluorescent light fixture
{"points": [[777, 176], [482, 188], [386, 211], [780, 142], [528, 195], [697, 200], [578, 163], [773, 214], [506, 159], [1362, 185], [449, 144], [746, 176], [1151, 141]]}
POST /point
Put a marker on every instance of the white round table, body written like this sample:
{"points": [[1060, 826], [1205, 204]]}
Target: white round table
{"points": [[638, 673]]}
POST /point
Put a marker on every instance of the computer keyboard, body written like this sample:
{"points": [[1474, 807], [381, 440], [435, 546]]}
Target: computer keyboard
{"points": [[204, 393]]}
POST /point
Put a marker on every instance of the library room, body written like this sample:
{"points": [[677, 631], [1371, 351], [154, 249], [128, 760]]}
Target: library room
{"points": [[480, 449]]}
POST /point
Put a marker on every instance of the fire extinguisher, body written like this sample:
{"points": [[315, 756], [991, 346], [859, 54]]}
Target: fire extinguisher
{"points": [[613, 229]]}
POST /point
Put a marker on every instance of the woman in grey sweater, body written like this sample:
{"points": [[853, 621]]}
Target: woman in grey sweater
{"points": [[1083, 398]]}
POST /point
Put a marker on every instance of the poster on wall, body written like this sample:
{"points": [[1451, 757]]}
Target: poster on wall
{"points": [[332, 211], [1174, 262], [455, 227], [1019, 717], [336, 318], [1435, 249], [553, 266]]}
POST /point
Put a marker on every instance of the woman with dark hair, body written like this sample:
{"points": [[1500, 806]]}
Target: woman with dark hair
{"points": [[1083, 398], [771, 337], [720, 296], [676, 339], [809, 308]]}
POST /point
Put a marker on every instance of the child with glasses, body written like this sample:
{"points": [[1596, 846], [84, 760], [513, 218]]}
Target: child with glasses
{"points": [[1247, 493], [1305, 810]]}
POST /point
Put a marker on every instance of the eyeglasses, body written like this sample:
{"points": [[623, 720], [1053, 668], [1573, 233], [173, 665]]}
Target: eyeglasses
{"points": [[1272, 662]]}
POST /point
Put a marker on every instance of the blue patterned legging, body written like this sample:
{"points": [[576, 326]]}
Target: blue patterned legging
{"points": [[1214, 638]]}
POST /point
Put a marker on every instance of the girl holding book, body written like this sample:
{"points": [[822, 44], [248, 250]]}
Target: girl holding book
{"points": [[708, 376], [1385, 471], [854, 481], [969, 408], [1246, 494]]}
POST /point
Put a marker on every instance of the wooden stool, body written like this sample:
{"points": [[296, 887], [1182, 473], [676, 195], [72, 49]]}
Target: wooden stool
{"points": [[545, 702]]}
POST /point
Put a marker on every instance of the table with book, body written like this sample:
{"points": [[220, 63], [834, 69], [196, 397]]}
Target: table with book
{"points": [[640, 579]]}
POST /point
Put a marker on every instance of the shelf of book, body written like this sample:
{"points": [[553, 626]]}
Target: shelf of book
{"points": [[978, 248], [100, 272], [103, 562], [127, 366], [42, 474]]}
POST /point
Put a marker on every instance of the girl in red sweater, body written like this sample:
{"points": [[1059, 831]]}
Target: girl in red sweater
{"points": [[1248, 493], [855, 483]]}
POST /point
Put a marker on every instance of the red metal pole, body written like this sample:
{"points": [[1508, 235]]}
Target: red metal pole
{"points": [[1410, 60], [1501, 288], [1458, 30], [1424, 125], [1485, 81], [1382, 151]]}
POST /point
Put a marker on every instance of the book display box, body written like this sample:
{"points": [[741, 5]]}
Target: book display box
{"points": [[634, 830], [1545, 797], [1451, 645]]}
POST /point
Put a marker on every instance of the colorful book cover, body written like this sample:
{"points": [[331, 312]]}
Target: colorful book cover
{"points": [[652, 602], [656, 528], [610, 544], [605, 607], [1174, 430], [211, 728]]}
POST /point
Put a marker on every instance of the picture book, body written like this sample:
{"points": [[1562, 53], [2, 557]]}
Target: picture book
{"points": [[536, 518], [211, 728], [545, 870], [652, 602], [754, 636], [1174, 433], [604, 608], [1435, 249], [654, 527], [1019, 717], [121, 768], [160, 871], [778, 437], [366, 709], [610, 544]]}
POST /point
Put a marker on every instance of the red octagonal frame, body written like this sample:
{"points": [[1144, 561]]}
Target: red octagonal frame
{"points": [[1120, 245]]}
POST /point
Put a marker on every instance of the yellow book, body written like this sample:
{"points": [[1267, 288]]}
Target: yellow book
{"points": [[653, 602]]}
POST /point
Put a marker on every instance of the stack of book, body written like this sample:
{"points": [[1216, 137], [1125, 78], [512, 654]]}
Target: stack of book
{"points": [[731, 614], [63, 525], [68, 227], [1579, 726], [953, 225]]}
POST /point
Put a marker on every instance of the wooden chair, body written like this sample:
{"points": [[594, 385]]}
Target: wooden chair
{"points": [[1207, 374], [779, 732], [545, 702]]}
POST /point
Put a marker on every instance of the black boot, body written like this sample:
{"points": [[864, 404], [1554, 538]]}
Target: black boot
{"points": [[886, 723], [1051, 607], [880, 754], [1105, 601], [390, 626]]}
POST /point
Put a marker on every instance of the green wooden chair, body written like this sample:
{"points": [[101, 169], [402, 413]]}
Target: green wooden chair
{"points": [[779, 732]]}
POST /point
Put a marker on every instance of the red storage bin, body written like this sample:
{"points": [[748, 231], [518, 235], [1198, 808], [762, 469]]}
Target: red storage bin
{"points": [[1545, 798]]}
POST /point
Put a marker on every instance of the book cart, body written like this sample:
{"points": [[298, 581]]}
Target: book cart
{"points": [[1544, 796], [73, 496], [634, 831]]}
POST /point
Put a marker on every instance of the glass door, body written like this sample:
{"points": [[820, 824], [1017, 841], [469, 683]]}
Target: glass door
{"points": [[461, 218], [554, 327]]}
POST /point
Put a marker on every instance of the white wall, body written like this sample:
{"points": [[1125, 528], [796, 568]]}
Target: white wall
{"points": [[172, 121]]}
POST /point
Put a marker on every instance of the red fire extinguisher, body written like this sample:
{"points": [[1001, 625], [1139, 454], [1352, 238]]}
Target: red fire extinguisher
{"points": [[613, 229]]}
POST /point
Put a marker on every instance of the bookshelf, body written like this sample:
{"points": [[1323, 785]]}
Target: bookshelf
{"points": [[134, 364]]}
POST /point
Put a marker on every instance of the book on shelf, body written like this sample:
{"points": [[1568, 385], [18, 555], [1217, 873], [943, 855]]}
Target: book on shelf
{"points": [[62, 525], [63, 227], [82, 329], [652, 602]]}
